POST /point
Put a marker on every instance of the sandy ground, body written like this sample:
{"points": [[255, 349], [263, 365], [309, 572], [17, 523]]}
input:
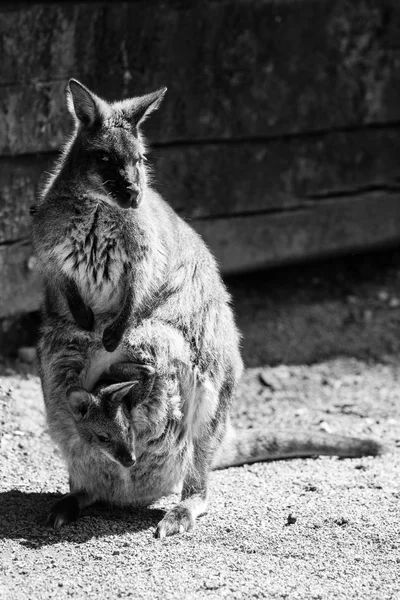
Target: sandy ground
{"points": [[323, 354]]}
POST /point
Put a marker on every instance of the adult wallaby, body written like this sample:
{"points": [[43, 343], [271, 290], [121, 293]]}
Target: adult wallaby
{"points": [[99, 253]]}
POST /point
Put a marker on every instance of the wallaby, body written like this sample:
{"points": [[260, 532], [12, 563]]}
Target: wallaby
{"points": [[99, 252], [93, 254], [136, 446], [84, 234]]}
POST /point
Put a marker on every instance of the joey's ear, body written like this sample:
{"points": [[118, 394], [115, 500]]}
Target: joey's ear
{"points": [[143, 375], [119, 392], [79, 401], [143, 106], [83, 104]]}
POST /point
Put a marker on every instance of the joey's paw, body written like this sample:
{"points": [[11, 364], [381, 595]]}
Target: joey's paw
{"points": [[110, 339], [84, 318], [177, 520], [63, 512]]}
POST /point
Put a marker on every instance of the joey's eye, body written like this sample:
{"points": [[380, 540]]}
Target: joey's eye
{"points": [[103, 438]]}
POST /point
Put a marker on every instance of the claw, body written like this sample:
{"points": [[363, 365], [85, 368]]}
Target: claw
{"points": [[63, 512], [177, 520], [110, 341], [85, 318]]}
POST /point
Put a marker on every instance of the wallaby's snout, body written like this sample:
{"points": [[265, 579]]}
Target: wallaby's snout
{"points": [[134, 180], [135, 195], [123, 183], [130, 196]]}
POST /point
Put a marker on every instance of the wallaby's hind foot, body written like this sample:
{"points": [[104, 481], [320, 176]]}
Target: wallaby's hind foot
{"points": [[194, 504], [177, 520], [67, 509]]}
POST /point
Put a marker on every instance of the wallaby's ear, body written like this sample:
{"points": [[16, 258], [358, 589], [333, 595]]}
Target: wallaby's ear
{"points": [[143, 106], [79, 401], [83, 104]]}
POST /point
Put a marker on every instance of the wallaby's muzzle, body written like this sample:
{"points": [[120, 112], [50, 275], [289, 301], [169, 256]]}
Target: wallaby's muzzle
{"points": [[135, 196], [128, 196]]}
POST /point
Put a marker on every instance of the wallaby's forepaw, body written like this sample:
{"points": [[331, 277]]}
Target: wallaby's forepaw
{"points": [[111, 339], [84, 317], [177, 520], [63, 512]]}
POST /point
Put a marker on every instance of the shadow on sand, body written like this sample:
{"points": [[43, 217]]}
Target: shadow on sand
{"points": [[23, 518]]}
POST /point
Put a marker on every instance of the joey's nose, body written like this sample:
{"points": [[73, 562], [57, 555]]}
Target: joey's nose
{"points": [[127, 461]]}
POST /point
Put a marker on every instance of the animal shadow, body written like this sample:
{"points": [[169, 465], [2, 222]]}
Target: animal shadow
{"points": [[23, 517]]}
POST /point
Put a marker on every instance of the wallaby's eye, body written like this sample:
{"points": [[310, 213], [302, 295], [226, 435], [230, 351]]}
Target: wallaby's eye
{"points": [[103, 157], [139, 160], [103, 438]]}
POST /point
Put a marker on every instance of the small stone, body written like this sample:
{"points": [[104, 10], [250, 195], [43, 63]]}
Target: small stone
{"points": [[291, 520], [394, 302], [267, 380], [283, 372], [341, 521], [116, 553], [368, 314], [310, 488], [383, 296], [325, 427], [32, 263], [27, 354]]}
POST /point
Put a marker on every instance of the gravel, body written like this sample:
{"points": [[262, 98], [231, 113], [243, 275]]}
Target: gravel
{"points": [[315, 528]]}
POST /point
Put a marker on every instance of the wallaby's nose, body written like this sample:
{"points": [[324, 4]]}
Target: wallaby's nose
{"points": [[134, 196]]}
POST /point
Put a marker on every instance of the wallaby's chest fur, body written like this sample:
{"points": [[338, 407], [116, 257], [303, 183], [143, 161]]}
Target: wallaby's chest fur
{"points": [[93, 253]]}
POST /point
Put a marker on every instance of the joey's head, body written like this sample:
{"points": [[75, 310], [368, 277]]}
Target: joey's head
{"points": [[107, 155], [103, 420]]}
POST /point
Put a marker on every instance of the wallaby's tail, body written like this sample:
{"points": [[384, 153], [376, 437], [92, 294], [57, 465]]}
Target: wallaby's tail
{"points": [[247, 446]]}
